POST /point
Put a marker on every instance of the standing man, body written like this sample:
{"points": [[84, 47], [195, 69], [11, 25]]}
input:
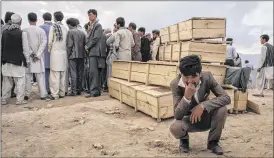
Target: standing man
{"points": [[58, 57], [145, 45], [231, 53], [123, 40], [76, 41], [92, 47], [265, 65], [135, 51], [193, 112], [46, 27], [15, 59], [37, 40], [7, 21], [102, 66], [155, 44]]}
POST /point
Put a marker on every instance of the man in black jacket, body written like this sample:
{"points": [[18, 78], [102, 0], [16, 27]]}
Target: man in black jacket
{"points": [[95, 53], [145, 45]]}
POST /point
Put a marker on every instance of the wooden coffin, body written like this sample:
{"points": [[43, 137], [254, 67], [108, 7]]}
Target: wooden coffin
{"points": [[156, 102], [240, 100], [121, 90], [202, 28], [230, 92], [164, 34]]}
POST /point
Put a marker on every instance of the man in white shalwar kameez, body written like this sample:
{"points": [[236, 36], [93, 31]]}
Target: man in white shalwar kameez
{"points": [[58, 57], [15, 59], [37, 40], [265, 69]]}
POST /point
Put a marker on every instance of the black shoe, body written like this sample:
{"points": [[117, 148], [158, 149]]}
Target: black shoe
{"points": [[215, 148], [93, 95], [26, 98], [61, 96], [105, 90], [71, 94], [78, 93], [184, 145], [13, 95]]}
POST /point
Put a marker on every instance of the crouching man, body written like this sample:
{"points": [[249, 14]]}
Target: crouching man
{"points": [[193, 112]]}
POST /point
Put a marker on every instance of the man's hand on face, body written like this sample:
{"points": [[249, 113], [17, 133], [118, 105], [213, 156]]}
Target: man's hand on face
{"points": [[196, 114], [190, 90]]}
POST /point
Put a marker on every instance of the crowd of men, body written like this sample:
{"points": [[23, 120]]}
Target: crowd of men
{"points": [[59, 57]]}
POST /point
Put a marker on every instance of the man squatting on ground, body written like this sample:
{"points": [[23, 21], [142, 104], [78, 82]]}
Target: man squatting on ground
{"points": [[193, 112]]}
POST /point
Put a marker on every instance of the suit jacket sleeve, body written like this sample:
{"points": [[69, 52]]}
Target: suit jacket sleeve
{"points": [[96, 37], [222, 98], [181, 106], [110, 40], [69, 43], [137, 45]]}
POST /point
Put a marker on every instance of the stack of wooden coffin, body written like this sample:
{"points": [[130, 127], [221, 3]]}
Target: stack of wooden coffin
{"points": [[145, 86]]}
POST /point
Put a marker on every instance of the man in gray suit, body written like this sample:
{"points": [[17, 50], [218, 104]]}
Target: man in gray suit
{"points": [[76, 40], [95, 54], [193, 112]]}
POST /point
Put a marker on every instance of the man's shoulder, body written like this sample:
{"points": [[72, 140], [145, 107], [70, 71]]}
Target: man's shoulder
{"points": [[175, 81]]}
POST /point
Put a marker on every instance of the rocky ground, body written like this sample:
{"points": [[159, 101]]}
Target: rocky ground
{"points": [[80, 127]]}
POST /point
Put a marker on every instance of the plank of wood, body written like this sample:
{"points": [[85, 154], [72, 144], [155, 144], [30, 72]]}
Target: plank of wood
{"points": [[215, 70], [165, 70], [128, 100], [164, 31], [165, 38], [165, 112], [253, 106], [138, 76], [185, 25], [208, 33], [173, 37], [209, 24], [207, 47], [161, 52], [119, 65], [240, 105], [173, 29], [206, 56], [161, 80], [122, 74], [241, 96], [185, 35], [139, 67], [176, 47]]}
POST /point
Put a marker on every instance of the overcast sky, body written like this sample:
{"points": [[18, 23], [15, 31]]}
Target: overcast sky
{"points": [[246, 21]]}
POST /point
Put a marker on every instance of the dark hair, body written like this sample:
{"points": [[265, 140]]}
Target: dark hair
{"points": [[265, 37], [72, 22], [32, 17], [229, 39], [93, 11], [246, 61], [142, 29], [86, 26], [120, 21], [190, 65], [47, 16], [2, 22], [132, 25], [59, 16], [8, 16], [157, 32], [77, 21]]}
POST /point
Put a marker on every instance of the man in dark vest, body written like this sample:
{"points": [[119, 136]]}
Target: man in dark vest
{"points": [[95, 54], [265, 69], [15, 59]]}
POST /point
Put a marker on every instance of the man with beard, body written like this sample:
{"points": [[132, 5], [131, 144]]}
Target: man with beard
{"points": [[155, 44], [145, 45], [135, 51], [123, 40], [76, 41], [15, 59], [58, 57], [92, 47], [37, 40], [46, 26]]}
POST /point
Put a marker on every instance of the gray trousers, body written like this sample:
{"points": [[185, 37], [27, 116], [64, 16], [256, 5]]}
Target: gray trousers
{"points": [[8, 84], [47, 72], [260, 81], [76, 69], [94, 78], [214, 121]]}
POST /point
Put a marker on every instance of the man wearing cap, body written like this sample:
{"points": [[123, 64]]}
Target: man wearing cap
{"points": [[155, 44], [15, 59], [193, 112], [231, 53]]}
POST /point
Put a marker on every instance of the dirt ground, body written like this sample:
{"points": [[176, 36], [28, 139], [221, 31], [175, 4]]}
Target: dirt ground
{"points": [[81, 127]]}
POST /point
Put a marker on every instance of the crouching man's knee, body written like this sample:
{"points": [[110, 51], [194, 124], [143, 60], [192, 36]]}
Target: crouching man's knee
{"points": [[176, 129]]}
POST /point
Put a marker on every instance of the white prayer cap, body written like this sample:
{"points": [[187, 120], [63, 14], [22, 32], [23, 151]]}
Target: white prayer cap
{"points": [[16, 18]]}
